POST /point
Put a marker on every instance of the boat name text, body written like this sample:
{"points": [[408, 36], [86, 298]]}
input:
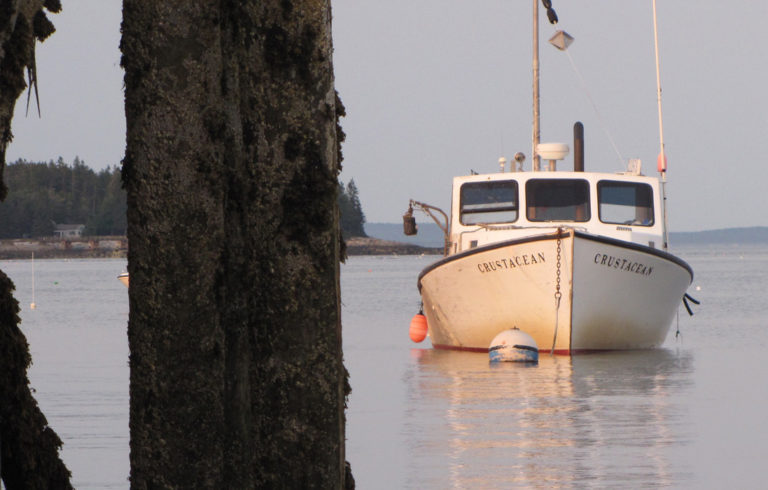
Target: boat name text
{"points": [[511, 263], [623, 264]]}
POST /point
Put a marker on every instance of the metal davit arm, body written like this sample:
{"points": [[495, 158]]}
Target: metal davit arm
{"points": [[410, 223]]}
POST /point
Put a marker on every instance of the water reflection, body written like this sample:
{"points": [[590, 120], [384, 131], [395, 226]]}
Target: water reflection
{"points": [[602, 419]]}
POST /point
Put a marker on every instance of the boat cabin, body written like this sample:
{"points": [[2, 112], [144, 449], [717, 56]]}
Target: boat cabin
{"points": [[489, 208]]}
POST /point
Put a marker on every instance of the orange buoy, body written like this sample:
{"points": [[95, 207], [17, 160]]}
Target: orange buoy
{"points": [[418, 330]]}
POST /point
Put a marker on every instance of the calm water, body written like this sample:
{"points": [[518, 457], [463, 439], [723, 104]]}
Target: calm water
{"points": [[690, 415]]}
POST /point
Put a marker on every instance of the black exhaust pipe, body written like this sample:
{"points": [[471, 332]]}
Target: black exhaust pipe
{"points": [[578, 147]]}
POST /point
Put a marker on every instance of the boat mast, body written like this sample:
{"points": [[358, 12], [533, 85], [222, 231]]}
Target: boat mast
{"points": [[536, 130], [662, 160]]}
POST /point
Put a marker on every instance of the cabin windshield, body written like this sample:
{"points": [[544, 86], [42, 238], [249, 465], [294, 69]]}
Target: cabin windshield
{"points": [[625, 203], [557, 200], [489, 202]]}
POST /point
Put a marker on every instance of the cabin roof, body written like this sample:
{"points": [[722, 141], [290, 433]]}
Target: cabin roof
{"points": [[524, 176]]}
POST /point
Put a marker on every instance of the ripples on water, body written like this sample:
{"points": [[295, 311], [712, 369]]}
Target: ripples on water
{"points": [[606, 419], [690, 415]]}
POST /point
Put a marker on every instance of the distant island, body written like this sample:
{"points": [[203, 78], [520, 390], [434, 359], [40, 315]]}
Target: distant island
{"points": [[750, 235], [382, 239], [431, 236], [377, 246]]}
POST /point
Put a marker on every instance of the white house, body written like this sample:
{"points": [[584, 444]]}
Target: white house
{"points": [[68, 231]]}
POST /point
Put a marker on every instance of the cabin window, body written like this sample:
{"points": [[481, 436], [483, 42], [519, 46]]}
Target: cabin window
{"points": [[625, 203], [489, 202], [557, 200]]}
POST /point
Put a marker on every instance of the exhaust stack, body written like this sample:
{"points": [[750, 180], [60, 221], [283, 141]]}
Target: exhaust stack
{"points": [[578, 147]]}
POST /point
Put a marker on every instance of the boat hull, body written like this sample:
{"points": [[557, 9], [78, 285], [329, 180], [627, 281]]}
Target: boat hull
{"points": [[612, 294]]}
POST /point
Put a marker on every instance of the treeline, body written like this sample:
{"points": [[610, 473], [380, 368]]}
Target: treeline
{"points": [[351, 211], [42, 195]]}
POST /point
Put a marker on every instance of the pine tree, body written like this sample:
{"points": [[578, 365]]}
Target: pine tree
{"points": [[41, 194], [352, 216]]}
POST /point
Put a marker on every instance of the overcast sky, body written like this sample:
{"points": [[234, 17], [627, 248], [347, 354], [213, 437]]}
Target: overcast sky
{"points": [[436, 88]]}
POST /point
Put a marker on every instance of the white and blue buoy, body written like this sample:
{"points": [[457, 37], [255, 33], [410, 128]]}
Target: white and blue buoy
{"points": [[513, 345]]}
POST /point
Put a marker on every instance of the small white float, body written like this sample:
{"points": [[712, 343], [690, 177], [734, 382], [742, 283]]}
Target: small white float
{"points": [[513, 345]]}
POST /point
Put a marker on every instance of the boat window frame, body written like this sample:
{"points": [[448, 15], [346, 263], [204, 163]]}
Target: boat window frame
{"points": [[586, 204], [501, 210], [637, 221]]}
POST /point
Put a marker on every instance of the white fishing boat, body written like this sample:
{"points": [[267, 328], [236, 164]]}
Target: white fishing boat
{"points": [[578, 260]]}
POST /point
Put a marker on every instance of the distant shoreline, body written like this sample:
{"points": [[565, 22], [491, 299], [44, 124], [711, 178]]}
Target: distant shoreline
{"points": [[73, 248], [376, 246], [430, 235], [117, 247]]}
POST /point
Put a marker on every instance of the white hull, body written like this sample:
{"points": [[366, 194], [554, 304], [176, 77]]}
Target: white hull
{"points": [[614, 294]]}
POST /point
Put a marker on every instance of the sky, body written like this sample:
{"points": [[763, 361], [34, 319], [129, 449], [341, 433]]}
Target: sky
{"points": [[437, 88], [80, 85]]}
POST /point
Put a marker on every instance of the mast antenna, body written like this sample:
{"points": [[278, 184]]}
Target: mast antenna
{"points": [[662, 159], [662, 164], [552, 17], [536, 129]]}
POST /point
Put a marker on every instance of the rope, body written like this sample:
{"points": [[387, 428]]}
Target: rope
{"points": [[687, 297], [594, 107]]}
